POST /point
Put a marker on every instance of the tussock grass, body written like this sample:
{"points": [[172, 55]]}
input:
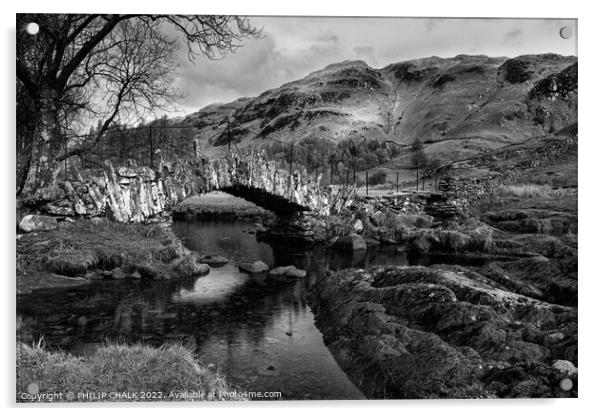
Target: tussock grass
{"points": [[533, 191], [75, 249], [453, 241], [119, 368]]}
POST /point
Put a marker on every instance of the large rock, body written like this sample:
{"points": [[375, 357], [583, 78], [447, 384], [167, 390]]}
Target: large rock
{"points": [[350, 243], [118, 273], [215, 260], [287, 271], [443, 332], [565, 366], [31, 223], [254, 268], [378, 218]]}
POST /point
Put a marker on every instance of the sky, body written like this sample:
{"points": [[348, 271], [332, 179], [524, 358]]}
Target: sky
{"points": [[292, 47]]}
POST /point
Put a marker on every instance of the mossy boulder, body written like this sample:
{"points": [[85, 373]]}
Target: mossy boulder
{"points": [[31, 223]]}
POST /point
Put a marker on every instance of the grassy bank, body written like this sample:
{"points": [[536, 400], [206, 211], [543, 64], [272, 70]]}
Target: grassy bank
{"points": [[167, 373], [534, 191], [219, 205], [531, 207], [80, 251]]}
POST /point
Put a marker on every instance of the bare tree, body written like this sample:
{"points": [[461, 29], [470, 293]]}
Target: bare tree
{"points": [[107, 67]]}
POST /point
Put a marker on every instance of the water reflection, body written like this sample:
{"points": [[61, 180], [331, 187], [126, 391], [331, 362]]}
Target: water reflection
{"points": [[259, 332], [215, 288]]}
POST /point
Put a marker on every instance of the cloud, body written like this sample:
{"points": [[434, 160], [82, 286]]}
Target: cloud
{"points": [[365, 53], [257, 66], [429, 25], [295, 46], [513, 37]]}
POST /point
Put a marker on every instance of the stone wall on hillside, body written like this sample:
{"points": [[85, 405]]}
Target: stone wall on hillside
{"points": [[469, 188], [406, 203], [137, 194], [435, 204]]}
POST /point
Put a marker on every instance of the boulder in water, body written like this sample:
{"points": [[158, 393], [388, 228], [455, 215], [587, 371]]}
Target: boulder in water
{"points": [[253, 268], [214, 260], [287, 271], [118, 274]]}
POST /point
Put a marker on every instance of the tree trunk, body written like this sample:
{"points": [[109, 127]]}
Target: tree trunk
{"points": [[45, 148]]}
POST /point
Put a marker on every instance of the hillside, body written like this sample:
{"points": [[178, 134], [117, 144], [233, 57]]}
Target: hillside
{"points": [[459, 107]]}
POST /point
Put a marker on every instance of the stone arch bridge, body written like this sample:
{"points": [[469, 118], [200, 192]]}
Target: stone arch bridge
{"points": [[136, 194]]}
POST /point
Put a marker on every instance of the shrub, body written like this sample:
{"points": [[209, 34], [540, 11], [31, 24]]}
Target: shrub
{"points": [[481, 239], [408, 221], [453, 241], [336, 226], [422, 240], [70, 262]]}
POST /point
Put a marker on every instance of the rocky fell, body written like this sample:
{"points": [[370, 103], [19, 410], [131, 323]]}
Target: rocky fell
{"points": [[459, 107]]}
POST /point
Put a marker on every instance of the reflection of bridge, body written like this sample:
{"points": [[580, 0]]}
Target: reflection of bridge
{"points": [[134, 194]]}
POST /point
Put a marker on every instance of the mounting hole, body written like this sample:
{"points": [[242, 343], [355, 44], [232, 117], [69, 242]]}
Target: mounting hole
{"points": [[32, 28], [566, 32], [566, 384]]}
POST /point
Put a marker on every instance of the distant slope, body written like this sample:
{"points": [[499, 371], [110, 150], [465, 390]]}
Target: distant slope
{"points": [[544, 154], [460, 107]]}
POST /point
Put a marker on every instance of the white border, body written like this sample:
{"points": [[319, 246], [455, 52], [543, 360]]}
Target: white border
{"points": [[590, 79]]}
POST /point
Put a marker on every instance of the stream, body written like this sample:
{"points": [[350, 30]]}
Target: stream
{"points": [[258, 333]]}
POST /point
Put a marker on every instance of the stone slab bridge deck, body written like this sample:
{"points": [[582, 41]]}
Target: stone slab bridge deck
{"points": [[136, 194]]}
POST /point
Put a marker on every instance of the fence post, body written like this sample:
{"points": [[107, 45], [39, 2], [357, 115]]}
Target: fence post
{"points": [[397, 183], [366, 182], [195, 146]]}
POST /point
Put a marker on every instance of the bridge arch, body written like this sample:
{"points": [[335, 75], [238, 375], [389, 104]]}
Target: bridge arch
{"points": [[136, 194]]}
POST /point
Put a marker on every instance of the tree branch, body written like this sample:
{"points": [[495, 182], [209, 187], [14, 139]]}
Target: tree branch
{"points": [[87, 47]]}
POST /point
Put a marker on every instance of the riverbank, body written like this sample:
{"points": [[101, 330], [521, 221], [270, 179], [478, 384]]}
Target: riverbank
{"points": [[80, 251], [117, 372], [504, 328]]}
